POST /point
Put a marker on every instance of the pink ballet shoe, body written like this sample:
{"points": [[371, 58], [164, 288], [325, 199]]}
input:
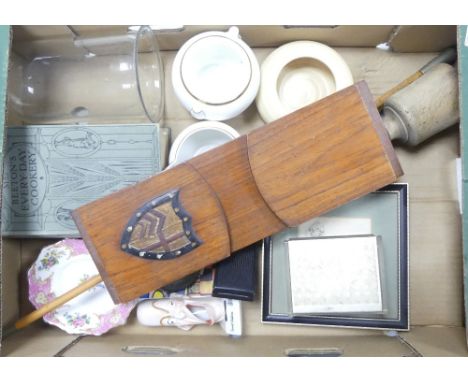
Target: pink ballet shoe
{"points": [[180, 312]]}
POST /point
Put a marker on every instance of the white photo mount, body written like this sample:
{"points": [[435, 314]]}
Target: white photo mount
{"points": [[335, 274]]}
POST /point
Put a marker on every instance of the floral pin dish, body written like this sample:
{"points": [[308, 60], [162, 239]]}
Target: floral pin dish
{"points": [[62, 266]]}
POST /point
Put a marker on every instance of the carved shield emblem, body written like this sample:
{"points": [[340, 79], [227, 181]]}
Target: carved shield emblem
{"points": [[160, 230]]}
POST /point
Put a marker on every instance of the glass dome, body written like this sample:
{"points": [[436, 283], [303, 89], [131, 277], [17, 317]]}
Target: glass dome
{"points": [[104, 79]]}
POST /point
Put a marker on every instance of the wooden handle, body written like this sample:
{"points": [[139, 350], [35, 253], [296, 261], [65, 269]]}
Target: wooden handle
{"points": [[448, 56], [381, 100], [59, 301]]}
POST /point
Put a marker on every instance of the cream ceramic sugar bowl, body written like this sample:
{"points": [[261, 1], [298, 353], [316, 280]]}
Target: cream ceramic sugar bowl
{"points": [[216, 75], [199, 138], [298, 74]]}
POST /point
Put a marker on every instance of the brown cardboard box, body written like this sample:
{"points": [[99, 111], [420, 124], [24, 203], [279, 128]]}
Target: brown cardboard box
{"points": [[436, 283]]}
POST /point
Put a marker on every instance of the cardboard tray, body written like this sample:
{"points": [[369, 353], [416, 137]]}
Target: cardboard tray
{"points": [[436, 276]]}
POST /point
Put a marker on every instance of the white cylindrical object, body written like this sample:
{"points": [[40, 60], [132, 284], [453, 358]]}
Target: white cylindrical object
{"points": [[425, 107]]}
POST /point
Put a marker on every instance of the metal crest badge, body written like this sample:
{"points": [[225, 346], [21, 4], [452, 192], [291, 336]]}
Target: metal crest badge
{"points": [[160, 230]]}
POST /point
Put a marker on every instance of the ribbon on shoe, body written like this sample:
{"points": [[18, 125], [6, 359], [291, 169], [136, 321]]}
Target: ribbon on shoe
{"points": [[180, 312]]}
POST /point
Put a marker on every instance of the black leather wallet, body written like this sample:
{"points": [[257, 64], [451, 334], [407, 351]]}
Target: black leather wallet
{"points": [[236, 277]]}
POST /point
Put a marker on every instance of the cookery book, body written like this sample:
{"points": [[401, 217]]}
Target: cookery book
{"points": [[52, 169]]}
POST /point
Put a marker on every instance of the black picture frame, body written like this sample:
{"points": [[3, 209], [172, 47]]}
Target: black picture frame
{"points": [[402, 323]]}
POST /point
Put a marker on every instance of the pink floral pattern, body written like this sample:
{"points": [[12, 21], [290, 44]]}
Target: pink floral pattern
{"points": [[77, 320]]}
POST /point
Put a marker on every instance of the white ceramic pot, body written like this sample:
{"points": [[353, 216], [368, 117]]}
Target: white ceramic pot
{"points": [[199, 138], [298, 74], [215, 75]]}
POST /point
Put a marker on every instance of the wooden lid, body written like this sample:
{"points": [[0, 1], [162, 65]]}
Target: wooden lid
{"points": [[323, 155]]}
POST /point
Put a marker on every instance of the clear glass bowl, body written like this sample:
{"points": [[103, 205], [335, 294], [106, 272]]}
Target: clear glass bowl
{"points": [[105, 79]]}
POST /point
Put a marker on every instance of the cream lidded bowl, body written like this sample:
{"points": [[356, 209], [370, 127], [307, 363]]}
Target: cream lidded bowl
{"points": [[199, 138], [216, 75], [297, 74]]}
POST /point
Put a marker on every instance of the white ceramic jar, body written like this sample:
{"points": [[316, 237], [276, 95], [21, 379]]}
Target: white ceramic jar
{"points": [[215, 75], [199, 138], [298, 74]]}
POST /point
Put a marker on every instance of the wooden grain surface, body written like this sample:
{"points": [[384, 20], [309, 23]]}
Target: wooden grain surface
{"points": [[102, 223], [322, 156], [283, 174], [227, 170], [403, 84]]}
